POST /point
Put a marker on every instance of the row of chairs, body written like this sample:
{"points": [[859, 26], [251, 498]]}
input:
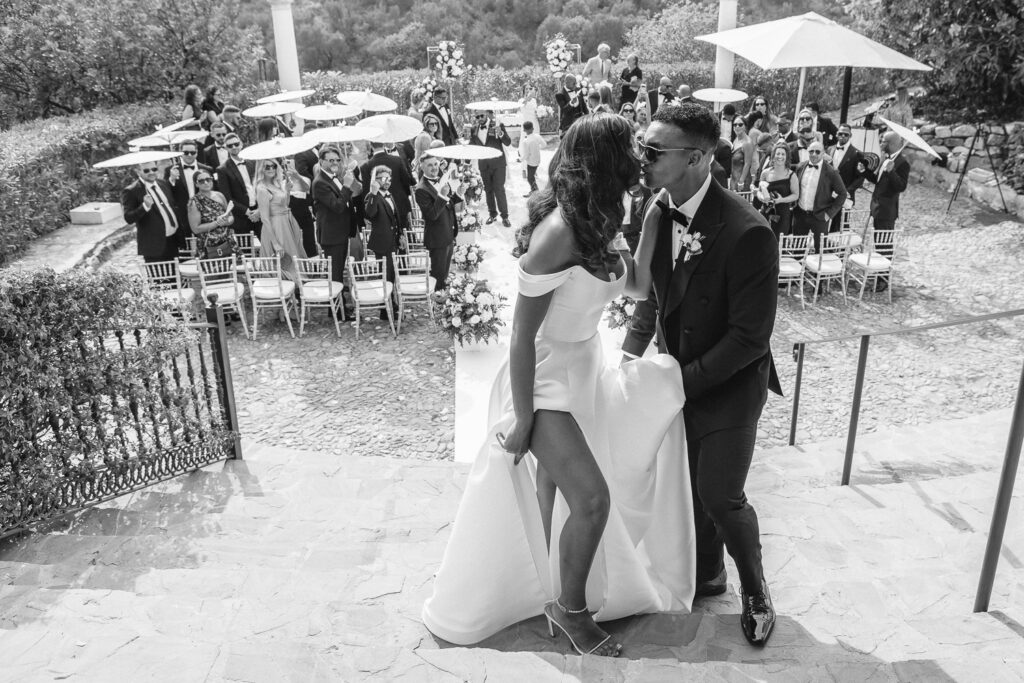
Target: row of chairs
{"points": [[269, 289], [836, 261]]}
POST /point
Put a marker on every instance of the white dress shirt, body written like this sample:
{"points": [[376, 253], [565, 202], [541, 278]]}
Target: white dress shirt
{"points": [[163, 206], [809, 186], [688, 209]]}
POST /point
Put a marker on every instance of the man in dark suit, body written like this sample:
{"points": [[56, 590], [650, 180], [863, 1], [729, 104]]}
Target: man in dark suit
{"points": [[785, 133], [148, 203], [571, 103], [179, 176], [381, 211], [715, 271], [437, 202], [333, 196], [401, 179], [805, 136], [439, 108], [660, 95], [845, 159], [215, 154], [236, 180], [487, 132], [823, 125], [822, 195], [890, 181], [302, 207]]}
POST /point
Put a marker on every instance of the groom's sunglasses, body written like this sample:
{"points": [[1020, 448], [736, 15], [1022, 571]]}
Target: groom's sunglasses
{"points": [[652, 154]]}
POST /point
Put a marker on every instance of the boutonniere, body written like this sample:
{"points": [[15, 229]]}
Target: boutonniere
{"points": [[692, 245]]}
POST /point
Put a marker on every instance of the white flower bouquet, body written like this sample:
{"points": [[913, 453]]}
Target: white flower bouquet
{"points": [[585, 85], [449, 61], [467, 257], [544, 111], [620, 312], [558, 54], [426, 88], [469, 220], [469, 310], [471, 178]]}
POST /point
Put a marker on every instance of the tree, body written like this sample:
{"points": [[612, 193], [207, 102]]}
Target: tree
{"points": [[668, 36]]}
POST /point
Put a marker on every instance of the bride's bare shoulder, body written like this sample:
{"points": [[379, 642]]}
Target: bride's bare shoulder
{"points": [[552, 247]]}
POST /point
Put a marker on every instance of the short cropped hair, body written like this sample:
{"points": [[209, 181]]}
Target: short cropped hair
{"points": [[326, 149], [528, 126], [692, 119]]}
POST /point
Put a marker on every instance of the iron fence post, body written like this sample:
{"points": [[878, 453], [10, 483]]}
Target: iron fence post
{"points": [[858, 390], [221, 357], [798, 351], [1002, 507]]}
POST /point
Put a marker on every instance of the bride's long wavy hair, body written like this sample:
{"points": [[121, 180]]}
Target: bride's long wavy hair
{"points": [[592, 167]]}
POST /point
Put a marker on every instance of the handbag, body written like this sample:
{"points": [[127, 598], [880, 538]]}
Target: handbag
{"points": [[220, 250]]}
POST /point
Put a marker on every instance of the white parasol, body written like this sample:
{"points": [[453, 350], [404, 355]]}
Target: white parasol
{"points": [[178, 125], [261, 111], [335, 134], [464, 152], [909, 137], [494, 105], [136, 158], [367, 101], [328, 112], [277, 148], [719, 95], [394, 127], [285, 96], [150, 141]]}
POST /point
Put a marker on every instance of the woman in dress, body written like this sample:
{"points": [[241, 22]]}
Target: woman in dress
{"points": [[529, 108], [742, 156], [778, 191], [594, 519], [431, 131], [760, 104], [631, 78], [211, 108], [763, 143], [281, 233], [209, 217], [415, 104], [900, 111], [192, 109]]}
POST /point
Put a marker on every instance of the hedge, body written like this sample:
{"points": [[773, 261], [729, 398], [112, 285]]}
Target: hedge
{"points": [[45, 168]]}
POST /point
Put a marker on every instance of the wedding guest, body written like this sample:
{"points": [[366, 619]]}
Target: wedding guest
{"points": [[805, 135], [890, 181], [281, 234], [599, 67], [235, 180], [784, 132], [571, 105], [763, 142], [400, 183], [415, 109], [529, 108], [148, 205], [900, 111], [742, 155], [594, 101], [179, 175], [215, 154], [386, 232], [192, 110], [661, 95], [778, 190], [822, 194], [727, 115], [210, 219], [628, 112], [823, 125], [439, 108], [760, 104], [489, 133], [683, 94], [643, 116], [211, 107], [431, 131], [845, 159], [333, 193], [632, 79], [529, 150], [437, 199]]}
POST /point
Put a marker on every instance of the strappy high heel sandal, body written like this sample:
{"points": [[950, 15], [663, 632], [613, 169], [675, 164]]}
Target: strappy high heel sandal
{"points": [[552, 623]]}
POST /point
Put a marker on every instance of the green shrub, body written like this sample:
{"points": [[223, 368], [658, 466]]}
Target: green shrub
{"points": [[45, 168]]}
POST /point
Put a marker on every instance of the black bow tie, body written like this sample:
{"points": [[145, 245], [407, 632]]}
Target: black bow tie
{"points": [[191, 167], [812, 165], [677, 215], [385, 195], [840, 149]]}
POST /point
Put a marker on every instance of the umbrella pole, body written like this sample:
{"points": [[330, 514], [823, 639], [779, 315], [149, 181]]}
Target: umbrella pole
{"points": [[847, 83], [800, 92]]}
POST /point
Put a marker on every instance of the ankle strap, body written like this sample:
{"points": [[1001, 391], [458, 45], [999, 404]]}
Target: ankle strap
{"points": [[569, 611]]}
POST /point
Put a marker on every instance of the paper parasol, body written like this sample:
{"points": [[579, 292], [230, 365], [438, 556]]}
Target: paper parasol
{"points": [[328, 112], [261, 111], [277, 148], [909, 136], [178, 125], [394, 127], [151, 141], [285, 96], [336, 134], [135, 158], [720, 95], [494, 105], [464, 152], [367, 101]]}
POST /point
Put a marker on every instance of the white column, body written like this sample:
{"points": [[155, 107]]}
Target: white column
{"points": [[724, 59], [284, 45]]}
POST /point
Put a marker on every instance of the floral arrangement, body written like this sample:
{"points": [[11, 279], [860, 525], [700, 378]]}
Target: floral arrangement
{"points": [[449, 60], [559, 55], [620, 312], [544, 111], [426, 88], [469, 220], [692, 245], [585, 85], [471, 178], [467, 257], [468, 310]]}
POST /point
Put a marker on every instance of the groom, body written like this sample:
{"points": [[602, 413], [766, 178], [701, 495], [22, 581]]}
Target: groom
{"points": [[715, 272]]}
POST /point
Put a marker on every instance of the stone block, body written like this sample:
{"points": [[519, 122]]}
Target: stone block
{"points": [[927, 129], [943, 131], [995, 140], [980, 175], [964, 130], [953, 142], [95, 213], [941, 149], [959, 150], [927, 137], [996, 152]]}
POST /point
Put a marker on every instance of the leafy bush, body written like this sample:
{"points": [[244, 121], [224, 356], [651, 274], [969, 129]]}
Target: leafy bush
{"points": [[45, 168]]}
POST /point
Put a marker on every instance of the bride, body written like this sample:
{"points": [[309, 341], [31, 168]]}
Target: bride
{"points": [[570, 511]]}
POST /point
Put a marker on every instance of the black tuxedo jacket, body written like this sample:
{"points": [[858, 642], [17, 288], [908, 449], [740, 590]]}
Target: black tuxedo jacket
{"points": [[402, 182], [304, 163], [716, 312], [831, 192], [152, 231], [448, 132], [652, 97], [439, 224], [231, 185], [180, 190], [885, 201], [828, 131], [567, 111], [495, 140], [209, 156], [333, 206], [847, 168], [384, 225]]}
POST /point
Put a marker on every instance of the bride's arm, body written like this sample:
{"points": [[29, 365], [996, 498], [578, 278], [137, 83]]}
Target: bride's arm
{"points": [[638, 267]]}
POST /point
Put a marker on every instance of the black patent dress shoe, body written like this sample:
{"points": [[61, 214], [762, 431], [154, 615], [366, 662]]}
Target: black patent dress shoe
{"points": [[712, 587], [505, 222], [758, 617], [491, 219]]}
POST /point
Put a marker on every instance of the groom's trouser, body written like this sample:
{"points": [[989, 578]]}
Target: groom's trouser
{"points": [[722, 516]]}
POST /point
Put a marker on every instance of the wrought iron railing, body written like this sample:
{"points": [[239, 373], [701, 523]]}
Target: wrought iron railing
{"points": [[130, 422], [1011, 459]]}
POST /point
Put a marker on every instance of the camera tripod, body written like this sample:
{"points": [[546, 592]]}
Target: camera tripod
{"points": [[978, 131]]}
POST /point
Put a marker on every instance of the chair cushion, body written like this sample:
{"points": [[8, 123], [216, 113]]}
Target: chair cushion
{"points": [[189, 269], [825, 264], [370, 292], [416, 285], [226, 293], [320, 290], [790, 267], [877, 262], [271, 288]]}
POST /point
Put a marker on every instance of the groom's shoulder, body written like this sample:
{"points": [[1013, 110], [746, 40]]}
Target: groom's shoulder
{"points": [[738, 213]]}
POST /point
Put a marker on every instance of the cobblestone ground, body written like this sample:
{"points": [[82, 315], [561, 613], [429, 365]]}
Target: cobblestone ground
{"points": [[378, 395]]}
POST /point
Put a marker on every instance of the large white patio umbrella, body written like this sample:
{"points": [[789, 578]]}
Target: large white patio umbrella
{"points": [[810, 40]]}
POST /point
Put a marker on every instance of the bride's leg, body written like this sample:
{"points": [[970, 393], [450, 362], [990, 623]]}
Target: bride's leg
{"points": [[546, 500], [561, 449]]}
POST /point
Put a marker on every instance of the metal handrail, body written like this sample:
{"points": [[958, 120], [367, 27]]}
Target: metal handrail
{"points": [[1011, 459]]}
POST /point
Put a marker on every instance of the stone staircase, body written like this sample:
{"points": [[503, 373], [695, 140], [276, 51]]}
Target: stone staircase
{"points": [[306, 566]]}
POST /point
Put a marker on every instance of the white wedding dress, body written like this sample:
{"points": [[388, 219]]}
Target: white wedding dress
{"points": [[496, 569]]}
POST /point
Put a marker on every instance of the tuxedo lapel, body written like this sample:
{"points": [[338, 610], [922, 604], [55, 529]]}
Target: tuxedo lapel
{"points": [[707, 221]]}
